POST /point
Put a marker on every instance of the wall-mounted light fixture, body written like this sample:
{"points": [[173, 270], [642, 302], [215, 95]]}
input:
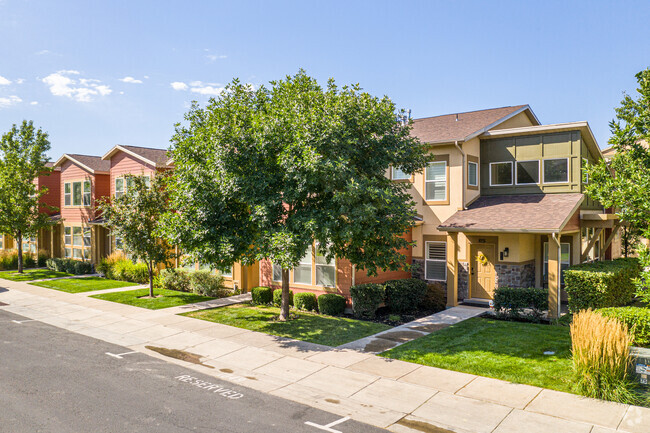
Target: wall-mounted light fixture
{"points": [[506, 252]]}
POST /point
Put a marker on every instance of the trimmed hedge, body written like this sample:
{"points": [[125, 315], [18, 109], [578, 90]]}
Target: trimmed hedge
{"points": [[510, 302], [404, 296], [305, 301], [366, 299], [69, 265], [435, 298], [331, 304], [637, 321], [262, 295], [277, 297], [174, 279], [601, 284]]}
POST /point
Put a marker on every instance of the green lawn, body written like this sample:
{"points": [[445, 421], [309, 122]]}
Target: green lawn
{"points": [[85, 284], [314, 328], [169, 298], [510, 351], [32, 274]]}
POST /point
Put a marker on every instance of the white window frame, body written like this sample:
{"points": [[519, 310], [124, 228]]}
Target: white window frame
{"points": [[125, 184], [475, 164], [67, 196], [426, 260], [568, 169], [511, 173], [227, 274], [539, 172], [273, 265], [393, 176], [434, 181], [119, 193], [331, 264], [88, 193], [311, 269]]}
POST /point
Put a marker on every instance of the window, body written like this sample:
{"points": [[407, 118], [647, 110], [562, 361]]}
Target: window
{"points": [[277, 272], [119, 187], [29, 244], [325, 269], [227, 272], [527, 172], [472, 174], [119, 243], [67, 194], [585, 175], [556, 170], [436, 181], [302, 272], [435, 265], [398, 174], [77, 242], [500, 173], [565, 260], [87, 193], [2, 242], [76, 194]]}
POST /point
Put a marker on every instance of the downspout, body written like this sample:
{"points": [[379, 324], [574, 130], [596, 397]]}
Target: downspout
{"points": [[460, 149], [556, 238]]}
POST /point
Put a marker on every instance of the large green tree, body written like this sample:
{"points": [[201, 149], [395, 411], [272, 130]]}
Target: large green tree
{"points": [[624, 181], [22, 159], [136, 218], [266, 173]]}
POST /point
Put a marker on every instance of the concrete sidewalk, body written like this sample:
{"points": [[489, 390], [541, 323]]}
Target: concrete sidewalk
{"points": [[396, 395]]}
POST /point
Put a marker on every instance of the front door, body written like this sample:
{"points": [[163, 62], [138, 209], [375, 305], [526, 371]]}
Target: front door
{"points": [[482, 271]]}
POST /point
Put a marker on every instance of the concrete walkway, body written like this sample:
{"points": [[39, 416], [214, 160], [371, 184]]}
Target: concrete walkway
{"points": [[399, 396], [399, 335]]}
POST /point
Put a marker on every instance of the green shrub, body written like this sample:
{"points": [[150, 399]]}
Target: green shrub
{"points": [[366, 298], [262, 295], [82, 268], [8, 260], [331, 304], [305, 301], [70, 266], [601, 284], [55, 264], [41, 258], [404, 296], [510, 302], [208, 284], [435, 299], [277, 297], [174, 279], [636, 319], [126, 270], [29, 261]]}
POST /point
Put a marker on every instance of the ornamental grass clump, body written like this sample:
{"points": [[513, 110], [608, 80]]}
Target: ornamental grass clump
{"points": [[601, 357]]}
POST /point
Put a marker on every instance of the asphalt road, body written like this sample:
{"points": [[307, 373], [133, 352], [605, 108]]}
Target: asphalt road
{"points": [[53, 380]]}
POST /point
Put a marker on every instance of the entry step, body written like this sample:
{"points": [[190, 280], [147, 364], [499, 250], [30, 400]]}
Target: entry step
{"points": [[478, 302]]}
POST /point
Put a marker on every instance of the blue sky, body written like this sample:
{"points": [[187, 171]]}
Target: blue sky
{"points": [[65, 64]]}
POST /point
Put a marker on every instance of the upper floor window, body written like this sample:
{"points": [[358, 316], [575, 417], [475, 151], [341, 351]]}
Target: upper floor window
{"points": [[119, 187], [435, 265], [435, 181], [398, 174], [500, 173], [585, 174], [472, 173], [123, 184], [527, 172], [556, 170], [77, 193]]}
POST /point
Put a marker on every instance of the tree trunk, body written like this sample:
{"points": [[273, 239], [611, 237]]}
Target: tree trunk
{"points": [[19, 240], [625, 241], [284, 305], [150, 268]]}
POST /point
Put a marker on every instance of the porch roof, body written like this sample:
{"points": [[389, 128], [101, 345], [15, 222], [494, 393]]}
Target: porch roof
{"points": [[530, 213]]}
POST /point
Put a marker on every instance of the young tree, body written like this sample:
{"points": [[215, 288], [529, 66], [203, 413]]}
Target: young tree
{"points": [[22, 160], [624, 182], [267, 173], [136, 218]]}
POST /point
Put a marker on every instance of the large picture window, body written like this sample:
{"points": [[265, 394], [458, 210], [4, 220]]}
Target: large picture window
{"points": [[77, 193], [436, 181], [527, 172], [435, 265], [500, 173], [29, 244], [556, 170], [77, 242]]}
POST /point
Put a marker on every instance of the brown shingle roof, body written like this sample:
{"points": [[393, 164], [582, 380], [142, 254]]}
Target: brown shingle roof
{"points": [[95, 163], [535, 213], [159, 156], [446, 128]]}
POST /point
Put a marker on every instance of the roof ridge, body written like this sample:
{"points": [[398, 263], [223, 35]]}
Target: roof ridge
{"points": [[473, 111], [142, 147]]}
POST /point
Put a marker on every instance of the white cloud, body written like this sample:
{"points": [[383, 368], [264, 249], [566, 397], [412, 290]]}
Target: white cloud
{"points": [[146, 77], [42, 52], [20, 81], [179, 85], [207, 90], [81, 90], [33, 103], [9, 101], [4, 81], [131, 80], [214, 57]]}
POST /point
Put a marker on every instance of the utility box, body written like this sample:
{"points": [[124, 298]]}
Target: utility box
{"points": [[641, 365]]}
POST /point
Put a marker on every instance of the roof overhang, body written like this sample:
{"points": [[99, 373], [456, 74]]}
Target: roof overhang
{"points": [[66, 157], [118, 148], [583, 127]]}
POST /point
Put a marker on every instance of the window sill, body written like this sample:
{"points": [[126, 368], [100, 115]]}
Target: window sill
{"points": [[437, 203]]}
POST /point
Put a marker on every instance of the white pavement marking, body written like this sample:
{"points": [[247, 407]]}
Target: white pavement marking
{"points": [[328, 427], [119, 355], [23, 321]]}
